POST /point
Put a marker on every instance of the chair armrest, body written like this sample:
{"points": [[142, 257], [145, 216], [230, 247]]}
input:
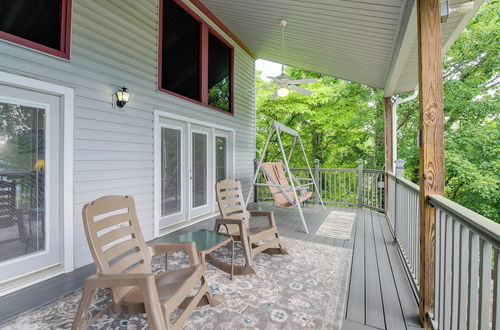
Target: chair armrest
{"points": [[188, 247], [268, 214], [224, 221], [119, 280]]}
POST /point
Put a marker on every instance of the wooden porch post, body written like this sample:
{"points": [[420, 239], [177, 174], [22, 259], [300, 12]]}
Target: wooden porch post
{"points": [[389, 161], [431, 171]]}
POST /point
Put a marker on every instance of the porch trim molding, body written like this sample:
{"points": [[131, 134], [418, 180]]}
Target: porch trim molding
{"points": [[211, 16], [157, 161], [67, 95], [402, 48]]}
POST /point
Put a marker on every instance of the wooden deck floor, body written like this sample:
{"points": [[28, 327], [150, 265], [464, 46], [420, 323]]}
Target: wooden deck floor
{"points": [[379, 295]]}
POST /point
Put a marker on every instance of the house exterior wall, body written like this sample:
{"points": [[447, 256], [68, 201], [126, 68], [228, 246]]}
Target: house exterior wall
{"points": [[114, 43]]}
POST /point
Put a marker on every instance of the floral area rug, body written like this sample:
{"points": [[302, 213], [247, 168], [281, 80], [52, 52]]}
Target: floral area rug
{"points": [[304, 289]]}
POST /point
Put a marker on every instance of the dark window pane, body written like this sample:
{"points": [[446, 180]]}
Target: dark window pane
{"points": [[37, 21], [181, 51], [219, 78]]}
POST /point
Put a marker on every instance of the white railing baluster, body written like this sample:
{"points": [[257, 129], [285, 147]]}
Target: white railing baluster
{"points": [[473, 281], [437, 269], [442, 257], [484, 286], [496, 290], [447, 272], [463, 277], [455, 256]]}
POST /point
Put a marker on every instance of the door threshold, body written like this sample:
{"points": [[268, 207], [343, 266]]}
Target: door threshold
{"points": [[26, 280]]}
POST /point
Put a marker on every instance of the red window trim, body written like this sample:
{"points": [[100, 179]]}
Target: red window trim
{"points": [[65, 28], [203, 70]]}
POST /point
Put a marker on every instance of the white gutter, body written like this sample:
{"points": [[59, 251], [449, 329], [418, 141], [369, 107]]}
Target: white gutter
{"points": [[395, 122]]}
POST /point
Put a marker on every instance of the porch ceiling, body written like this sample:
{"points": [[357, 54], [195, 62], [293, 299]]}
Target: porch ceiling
{"points": [[372, 42]]}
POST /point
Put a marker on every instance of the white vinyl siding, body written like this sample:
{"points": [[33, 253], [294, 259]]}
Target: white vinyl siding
{"points": [[114, 43]]}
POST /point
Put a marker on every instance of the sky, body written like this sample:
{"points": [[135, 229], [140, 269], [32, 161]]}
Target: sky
{"points": [[268, 69]]}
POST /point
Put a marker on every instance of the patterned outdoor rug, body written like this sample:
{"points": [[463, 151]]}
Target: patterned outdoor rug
{"points": [[304, 289], [337, 225]]}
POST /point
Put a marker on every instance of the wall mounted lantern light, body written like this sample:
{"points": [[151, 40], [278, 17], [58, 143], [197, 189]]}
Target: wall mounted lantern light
{"points": [[121, 97]]}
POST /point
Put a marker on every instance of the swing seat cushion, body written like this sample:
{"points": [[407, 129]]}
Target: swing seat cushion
{"points": [[274, 174]]}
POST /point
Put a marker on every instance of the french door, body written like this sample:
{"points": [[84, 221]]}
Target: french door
{"points": [[30, 184], [199, 173], [192, 157]]}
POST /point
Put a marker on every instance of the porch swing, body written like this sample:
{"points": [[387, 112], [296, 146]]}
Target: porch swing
{"points": [[286, 189]]}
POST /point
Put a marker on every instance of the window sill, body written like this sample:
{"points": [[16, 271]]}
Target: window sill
{"points": [[162, 90]]}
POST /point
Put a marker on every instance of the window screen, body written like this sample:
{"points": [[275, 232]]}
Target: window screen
{"points": [[171, 191], [37, 21], [220, 158], [180, 51], [219, 74], [22, 180]]}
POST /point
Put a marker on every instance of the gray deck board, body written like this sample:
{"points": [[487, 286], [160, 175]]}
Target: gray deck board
{"points": [[379, 295], [374, 310], [356, 306], [393, 313]]}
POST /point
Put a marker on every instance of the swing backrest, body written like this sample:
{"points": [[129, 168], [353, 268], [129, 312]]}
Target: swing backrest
{"points": [[274, 174]]}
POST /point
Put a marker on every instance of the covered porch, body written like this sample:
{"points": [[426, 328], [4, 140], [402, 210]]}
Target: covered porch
{"points": [[413, 251], [378, 294]]}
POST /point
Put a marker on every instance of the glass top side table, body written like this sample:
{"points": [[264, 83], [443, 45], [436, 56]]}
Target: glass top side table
{"points": [[206, 242]]}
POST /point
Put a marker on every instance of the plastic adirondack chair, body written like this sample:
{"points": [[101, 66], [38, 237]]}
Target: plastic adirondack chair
{"points": [[123, 262], [236, 219], [280, 188]]}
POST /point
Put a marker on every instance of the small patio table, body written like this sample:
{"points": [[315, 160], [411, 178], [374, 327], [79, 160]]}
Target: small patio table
{"points": [[206, 241]]}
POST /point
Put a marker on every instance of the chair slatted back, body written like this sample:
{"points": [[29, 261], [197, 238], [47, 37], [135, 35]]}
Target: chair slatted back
{"points": [[230, 200], [274, 174], [115, 238]]}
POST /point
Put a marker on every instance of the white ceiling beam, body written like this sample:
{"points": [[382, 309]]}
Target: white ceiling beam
{"points": [[398, 63]]}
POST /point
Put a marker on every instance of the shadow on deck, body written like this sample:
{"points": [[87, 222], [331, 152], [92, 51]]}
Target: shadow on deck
{"points": [[379, 295]]}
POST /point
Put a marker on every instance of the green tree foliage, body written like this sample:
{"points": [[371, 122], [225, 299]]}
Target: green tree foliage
{"points": [[336, 123], [471, 79], [343, 121]]}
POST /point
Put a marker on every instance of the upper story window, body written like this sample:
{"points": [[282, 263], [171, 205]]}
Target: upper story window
{"points": [[43, 25], [219, 74], [181, 52], [194, 62]]}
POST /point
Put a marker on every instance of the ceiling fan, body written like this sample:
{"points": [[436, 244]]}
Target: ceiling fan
{"points": [[284, 82]]}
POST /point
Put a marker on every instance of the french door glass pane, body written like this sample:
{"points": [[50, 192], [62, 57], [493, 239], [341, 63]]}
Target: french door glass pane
{"points": [[170, 171], [220, 158], [199, 169], [22, 180]]}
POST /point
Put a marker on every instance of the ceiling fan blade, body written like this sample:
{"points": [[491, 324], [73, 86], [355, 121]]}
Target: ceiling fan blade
{"points": [[304, 81], [300, 90], [274, 96]]}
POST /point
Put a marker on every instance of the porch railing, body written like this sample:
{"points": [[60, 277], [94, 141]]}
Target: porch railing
{"points": [[342, 186], [403, 215], [467, 276], [467, 263]]}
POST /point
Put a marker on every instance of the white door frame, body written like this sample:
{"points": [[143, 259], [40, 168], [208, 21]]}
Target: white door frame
{"points": [[157, 157], [67, 95]]}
